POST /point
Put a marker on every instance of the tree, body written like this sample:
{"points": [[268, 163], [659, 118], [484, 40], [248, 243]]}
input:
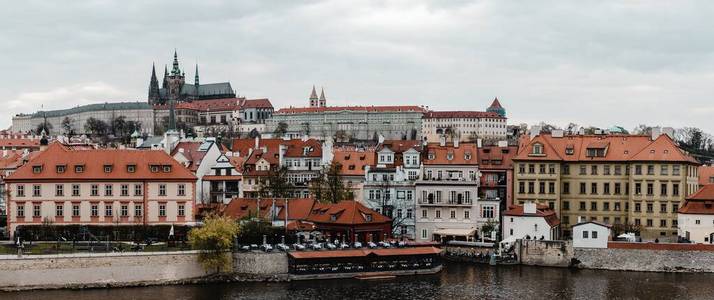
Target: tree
{"points": [[328, 187], [547, 128], [306, 128], [642, 129], [67, 126], [180, 126], [118, 126], [43, 126], [214, 239], [341, 135], [276, 184], [281, 129], [491, 225], [95, 126]]}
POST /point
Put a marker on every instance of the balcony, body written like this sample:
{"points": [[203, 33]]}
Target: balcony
{"points": [[451, 202]]}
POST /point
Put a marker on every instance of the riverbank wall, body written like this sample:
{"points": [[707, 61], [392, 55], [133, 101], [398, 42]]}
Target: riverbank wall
{"points": [[648, 257], [544, 253]]}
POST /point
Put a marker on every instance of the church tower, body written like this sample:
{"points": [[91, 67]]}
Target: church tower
{"points": [[497, 108], [175, 80], [154, 87], [323, 101], [313, 97]]}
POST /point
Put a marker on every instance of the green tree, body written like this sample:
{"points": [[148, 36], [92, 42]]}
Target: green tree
{"points": [[276, 184], [43, 126], [281, 129], [215, 240], [491, 225], [95, 126]]}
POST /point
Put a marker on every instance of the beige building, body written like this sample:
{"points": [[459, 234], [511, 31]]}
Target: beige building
{"points": [[614, 179], [466, 125], [100, 188]]}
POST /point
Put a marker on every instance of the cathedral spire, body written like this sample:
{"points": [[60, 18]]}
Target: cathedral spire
{"points": [[313, 97], [153, 86], [323, 101], [195, 79], [176, 70]]}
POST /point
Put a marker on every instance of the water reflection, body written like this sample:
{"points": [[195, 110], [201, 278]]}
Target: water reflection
{"points": [[457, 281]]}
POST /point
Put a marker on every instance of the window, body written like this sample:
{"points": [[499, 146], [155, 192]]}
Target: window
{"points": [[521, 187], [650, 207], [675, 207], [21, 209], [566, 187], [566, 205], [36, 169], [167, 169], [521, 168], [638, 169], [131, 168], [423, 234], [650, 189], [488, 212], [697, 222], [467, 214], [675, 189], [108, 190], [59, 190], [59, 209], [606, 188], [94, 210], [618, 188], [594, 234], [583, 170], [638, 188], [79, 168], [162, 190], [94, 190], [154, 168], [409, 213], [551, 169], [124, 210], [182, 189], [663, 207], [582, 188], [125, 190], [61, 169], [438, 214], [531, 187], [75, 190], [606, 206], [638, 207], [650, 169], [662, 223], [162, 210], [593, 206], [75, 210], [107, 168], [531, 168], [663, 189], [593, 188], [537, 149], [137, 210], [453, 214], [593, 169], [20, 191], [582, 205], [424, 213], [618, 170], [36, 210], [566, 170], [541, 169], [617, 206], [606, 170], [676, 170], [541, 187], [138, 191], [108, 210], [36, 190], [664, 170], [585, 234], [551, 187]]}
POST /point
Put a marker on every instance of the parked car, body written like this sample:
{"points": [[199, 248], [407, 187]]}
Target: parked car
{"points": [[371, 245], [316, 246], [357, 245], [299, 247]]}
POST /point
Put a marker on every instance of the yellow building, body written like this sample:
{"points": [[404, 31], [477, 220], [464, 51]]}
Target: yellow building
{"points": [[615, 179]]}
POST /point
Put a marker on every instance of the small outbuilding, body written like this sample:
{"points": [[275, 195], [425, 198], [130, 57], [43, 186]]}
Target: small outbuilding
{"points": [[591, 234]]}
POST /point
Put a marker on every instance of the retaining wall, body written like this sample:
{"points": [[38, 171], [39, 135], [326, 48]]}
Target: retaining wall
{"points": [[260, 265], [648, 257], [544, 253]]}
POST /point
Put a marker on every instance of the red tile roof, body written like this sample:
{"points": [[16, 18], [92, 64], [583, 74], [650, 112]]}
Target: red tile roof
{"points": [[346, 212], [299, 208], [225, 104], [706, 175], [19, 143], [461, 114], [495, 104], [543, 211], [394, 108], [353, 161], [190, 152], [701, 202], [618, 148], [494, 157], [257, 103], [465, 154], [94, 162]]}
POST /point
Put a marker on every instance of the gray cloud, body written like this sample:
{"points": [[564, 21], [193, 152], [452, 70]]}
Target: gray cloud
{"points": [[591, 62]]}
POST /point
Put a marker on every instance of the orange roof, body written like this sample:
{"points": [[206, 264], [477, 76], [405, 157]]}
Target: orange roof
{"points": [[346, 212], [616, 147], [495, 104], [225, 104], [93, 162], [299, 208], [190, 151], [543, 211], [393, 108], [364, 252], [353, 161], [706, 175], [494, 157], [461, 114], [19, 143], [465, 154], [257, 103]]}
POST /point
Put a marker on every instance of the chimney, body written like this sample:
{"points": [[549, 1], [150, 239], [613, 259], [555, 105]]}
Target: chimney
{"points": [[529, 208], [304, 137], [557, 133], [442, 140], [257, 142], [479, 142], [456, 141]]}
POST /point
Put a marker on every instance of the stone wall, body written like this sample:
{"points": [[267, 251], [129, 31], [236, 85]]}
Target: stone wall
{"points": [[260, 265], [544, 253], [97, 270], [650, 260]]}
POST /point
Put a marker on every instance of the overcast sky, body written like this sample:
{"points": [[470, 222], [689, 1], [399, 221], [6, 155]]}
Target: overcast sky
{"points": [[593, 63]]}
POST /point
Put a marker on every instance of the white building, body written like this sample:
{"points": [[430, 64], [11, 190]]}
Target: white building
{"points": [[591, 234], [695, 219], [530, 221], [199, 157], [466, 125], [448, 207]]}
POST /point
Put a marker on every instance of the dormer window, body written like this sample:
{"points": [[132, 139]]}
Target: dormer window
{"points": [[570, 150], [450, 156], [61, 169], [36, 169], [333, 218], [107, 168], [131, 168], [79, 168], [154, 168], [167, 169], [537, 149], [368, 217], [430, 156], [467, 156]]}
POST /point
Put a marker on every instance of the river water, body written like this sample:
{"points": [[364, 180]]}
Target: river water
{"points": [[456, 281]]}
